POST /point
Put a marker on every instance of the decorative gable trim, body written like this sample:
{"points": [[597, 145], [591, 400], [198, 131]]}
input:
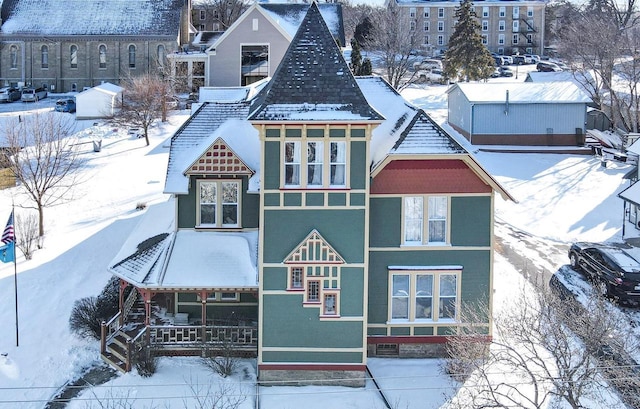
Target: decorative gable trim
{"points": [[314, 249], [219, 159]]}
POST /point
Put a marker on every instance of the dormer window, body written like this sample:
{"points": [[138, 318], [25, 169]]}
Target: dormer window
{"points": [[218, 204]]}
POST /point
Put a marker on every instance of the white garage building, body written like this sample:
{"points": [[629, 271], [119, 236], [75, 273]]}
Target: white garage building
{"points": [[98, 102]]}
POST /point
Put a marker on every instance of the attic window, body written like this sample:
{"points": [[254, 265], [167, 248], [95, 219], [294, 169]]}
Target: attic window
{"points": [[255, 24]]}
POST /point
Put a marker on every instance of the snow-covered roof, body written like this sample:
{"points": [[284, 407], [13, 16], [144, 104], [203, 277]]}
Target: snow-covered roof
{"points": [[289, 16], [212, 260], [523, 93], [156, 256], [200, 131], [92, 17], [105, 88], [313, 81], [232, 94], [631, 194]]}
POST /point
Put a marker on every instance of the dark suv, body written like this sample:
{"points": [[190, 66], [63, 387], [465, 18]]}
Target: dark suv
{"points": [[614, 272]]}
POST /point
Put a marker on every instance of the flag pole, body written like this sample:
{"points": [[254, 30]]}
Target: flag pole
{"points": [[15, 286]]}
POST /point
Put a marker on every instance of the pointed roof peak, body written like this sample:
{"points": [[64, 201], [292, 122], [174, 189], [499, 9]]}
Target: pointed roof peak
{"points": [[313, 81]]}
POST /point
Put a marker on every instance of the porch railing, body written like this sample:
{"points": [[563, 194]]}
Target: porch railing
{"points": [[194, 336]]}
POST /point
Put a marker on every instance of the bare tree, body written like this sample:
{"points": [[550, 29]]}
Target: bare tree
{"points": [[550, 346], [43, 159], [143, 102], [223, 12], [393, 41], [26, 233], [601, 44]]}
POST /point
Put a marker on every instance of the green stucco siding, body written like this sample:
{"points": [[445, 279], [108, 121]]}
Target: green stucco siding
{"points": [[279, 330], [358, 167], [385, 215], [284, 230], [272, 173], [314, 357], [274, 278], [352, 286], [471, 221], [272, 133], [475, 274]]}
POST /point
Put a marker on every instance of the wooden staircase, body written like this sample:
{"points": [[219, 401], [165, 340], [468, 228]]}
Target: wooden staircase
{"points": [[124, 342]]}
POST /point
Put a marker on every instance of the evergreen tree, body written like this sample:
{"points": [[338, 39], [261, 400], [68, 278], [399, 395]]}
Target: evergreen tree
{"points": [[367, 67], [356, 57], [467, 58], [363, 31]]}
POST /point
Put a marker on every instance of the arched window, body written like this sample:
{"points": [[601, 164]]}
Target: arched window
{"points": [[74, 87], [102, 55], [44, 54], [132, 56], [14, 56], [161, 55], [74, 56]]}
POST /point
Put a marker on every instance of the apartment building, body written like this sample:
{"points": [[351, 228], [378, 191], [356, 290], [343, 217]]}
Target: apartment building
{"points": [[508, 27]]}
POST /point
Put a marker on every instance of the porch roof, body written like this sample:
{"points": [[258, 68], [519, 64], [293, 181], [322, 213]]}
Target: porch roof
{"points": [[631, 194], [158, 257]]}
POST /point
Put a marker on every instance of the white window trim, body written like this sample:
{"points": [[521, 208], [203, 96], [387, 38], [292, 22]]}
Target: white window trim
{"points": [[425, 223], [435, 298], [325, 164], [219, 204]]}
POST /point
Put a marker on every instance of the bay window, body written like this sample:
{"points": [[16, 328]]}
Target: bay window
{"points": [[424, 295], [218, 203]]}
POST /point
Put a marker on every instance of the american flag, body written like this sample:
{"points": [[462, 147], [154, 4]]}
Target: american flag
{"points": [[8, 234]]}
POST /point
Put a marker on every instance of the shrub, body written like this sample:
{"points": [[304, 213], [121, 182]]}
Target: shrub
{"points": [[88, 313], [146, 362]]}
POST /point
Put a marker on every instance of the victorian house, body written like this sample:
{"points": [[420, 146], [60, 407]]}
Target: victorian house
{"points": [[320, 222]]}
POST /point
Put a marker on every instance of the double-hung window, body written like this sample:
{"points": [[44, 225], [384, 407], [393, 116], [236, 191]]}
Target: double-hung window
{"points": [[424, 295], [338, 162], [309, 171], [426, 220], [292, 164], [218, 203], [485, 25], [501, 25], [315, 158], [440, 25]]}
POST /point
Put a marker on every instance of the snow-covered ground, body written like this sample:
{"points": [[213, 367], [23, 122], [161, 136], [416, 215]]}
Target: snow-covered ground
{"points": [[560, 197]]}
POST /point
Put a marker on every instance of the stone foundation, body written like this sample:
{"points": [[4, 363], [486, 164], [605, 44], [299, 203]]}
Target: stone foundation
{"points": [[285, 377]]}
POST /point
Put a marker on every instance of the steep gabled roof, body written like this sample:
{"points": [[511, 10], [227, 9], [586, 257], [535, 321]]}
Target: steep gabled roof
{"points": [[313, 81], [200, 131], [91, 17], [424, 136]]}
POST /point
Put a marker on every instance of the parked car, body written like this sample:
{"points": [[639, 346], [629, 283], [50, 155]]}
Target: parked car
{"points": [[508, 60], [436, 76], [519, 59], [614, 272], [429, 64], [10, 94], [66, 105], [534, 58], [545, 66], [33, 94], [505, 72]]}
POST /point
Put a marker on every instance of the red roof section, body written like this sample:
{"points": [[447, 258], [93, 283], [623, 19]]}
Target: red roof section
{"points": [[426, 177]]}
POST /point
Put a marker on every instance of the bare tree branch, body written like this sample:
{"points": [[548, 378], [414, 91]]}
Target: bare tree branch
{"points": [[43, 159]]}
